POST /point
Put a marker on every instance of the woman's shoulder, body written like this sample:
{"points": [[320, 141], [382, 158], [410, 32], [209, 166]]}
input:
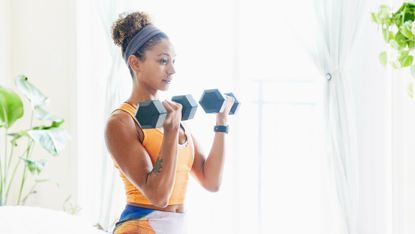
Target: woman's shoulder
{"points": [[122, 125], [120, 121]]}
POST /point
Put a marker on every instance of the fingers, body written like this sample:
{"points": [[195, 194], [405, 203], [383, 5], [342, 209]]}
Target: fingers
{"points": [[168, 106], [171, 106], [230, 100], [173, 109]]}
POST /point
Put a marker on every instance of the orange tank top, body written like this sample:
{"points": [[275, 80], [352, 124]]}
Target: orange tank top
{"points": [[152, 143]]}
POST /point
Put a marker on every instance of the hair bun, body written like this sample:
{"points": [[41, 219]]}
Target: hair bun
{"points": [[127, 25]]}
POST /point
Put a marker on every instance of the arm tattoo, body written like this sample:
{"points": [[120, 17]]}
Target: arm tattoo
{"points": [[157, 166]]}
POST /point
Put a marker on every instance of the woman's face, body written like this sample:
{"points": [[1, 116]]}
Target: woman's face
{"points": [[158, 66]]}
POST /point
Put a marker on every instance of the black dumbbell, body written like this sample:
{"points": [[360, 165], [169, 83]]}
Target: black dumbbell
{"points": [[189, 105], [151, 114], [212, 101]]}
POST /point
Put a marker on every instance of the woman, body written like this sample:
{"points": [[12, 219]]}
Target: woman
{"points": [[155, 164]]}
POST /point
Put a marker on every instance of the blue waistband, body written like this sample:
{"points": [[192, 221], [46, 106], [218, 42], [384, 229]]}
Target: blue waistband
{"points": [[133, 212]]}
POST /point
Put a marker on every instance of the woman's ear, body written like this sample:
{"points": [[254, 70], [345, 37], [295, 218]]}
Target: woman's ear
{"points": [[134, 62]]}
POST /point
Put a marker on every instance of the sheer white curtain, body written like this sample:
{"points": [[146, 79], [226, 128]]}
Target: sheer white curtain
{"points": [[102, 86], [111, 191], [337, 24]]}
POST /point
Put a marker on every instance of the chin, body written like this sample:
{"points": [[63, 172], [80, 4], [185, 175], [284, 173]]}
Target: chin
{"points": [[164, 88]]}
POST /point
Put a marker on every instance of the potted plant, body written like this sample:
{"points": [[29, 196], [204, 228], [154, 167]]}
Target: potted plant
{"points": [[16, 161], [398, 31]]}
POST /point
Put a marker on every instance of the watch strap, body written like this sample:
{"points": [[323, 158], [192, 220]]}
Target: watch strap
{"points": [[221, 128]]}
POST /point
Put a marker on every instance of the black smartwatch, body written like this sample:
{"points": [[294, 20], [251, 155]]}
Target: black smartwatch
{"points": [[221, 128]]}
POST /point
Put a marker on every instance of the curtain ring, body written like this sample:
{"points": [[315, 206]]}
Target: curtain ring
{"points": [[328, 76]]}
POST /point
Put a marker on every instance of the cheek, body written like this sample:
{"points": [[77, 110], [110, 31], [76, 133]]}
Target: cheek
{"points": [[155, 73], [153, 70], [161, 69]]}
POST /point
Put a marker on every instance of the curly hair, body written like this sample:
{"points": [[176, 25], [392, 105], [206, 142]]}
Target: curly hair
{"points": [[127, 26]]}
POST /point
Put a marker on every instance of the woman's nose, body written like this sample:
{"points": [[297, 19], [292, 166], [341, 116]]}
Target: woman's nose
{"points": [[171, 69]]}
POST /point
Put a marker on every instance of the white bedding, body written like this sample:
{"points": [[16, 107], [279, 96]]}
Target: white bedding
{"points": [[34, 220]]}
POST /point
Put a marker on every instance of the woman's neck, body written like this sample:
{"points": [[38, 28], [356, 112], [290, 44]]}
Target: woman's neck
{"points": [[141, 93]]}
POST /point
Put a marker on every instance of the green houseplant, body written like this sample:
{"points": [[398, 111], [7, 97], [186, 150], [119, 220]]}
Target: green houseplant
{"points": [[16, 160], [398, 29]]}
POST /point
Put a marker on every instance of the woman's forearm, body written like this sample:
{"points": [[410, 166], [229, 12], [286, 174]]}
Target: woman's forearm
{"points": [[161, 178], [213, 167]]}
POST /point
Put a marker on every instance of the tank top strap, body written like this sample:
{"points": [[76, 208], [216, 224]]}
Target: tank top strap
{"points": [[131, 110]]}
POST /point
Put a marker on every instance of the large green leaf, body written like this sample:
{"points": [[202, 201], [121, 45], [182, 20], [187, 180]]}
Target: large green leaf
{"points": [[405, 59], [52, 140], [401, 40], [34, 95], [382, 15], [404, 14], [11, 107], [406, 30], [394, 44]]}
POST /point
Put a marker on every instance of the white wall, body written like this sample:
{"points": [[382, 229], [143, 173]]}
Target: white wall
{"points": [[4, 40], [409, 161], [43, 47], [402, 153]]}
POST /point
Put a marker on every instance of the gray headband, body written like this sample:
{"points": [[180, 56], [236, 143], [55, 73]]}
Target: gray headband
{"points": [[139, 39]]}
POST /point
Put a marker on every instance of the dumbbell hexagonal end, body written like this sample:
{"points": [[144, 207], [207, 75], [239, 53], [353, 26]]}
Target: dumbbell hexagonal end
{"points": [[151, 114], [212, 101], [189, 105], [235, 106]]}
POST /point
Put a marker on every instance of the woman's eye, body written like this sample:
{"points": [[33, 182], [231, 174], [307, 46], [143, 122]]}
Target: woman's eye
{"points": [[164, 61]]}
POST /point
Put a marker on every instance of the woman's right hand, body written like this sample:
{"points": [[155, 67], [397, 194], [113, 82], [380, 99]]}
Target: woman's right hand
{"points": [[174, 116]]}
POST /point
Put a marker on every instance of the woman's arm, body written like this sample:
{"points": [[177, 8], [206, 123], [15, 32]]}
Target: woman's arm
{"points": [[156, 182], [209, 170]]}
